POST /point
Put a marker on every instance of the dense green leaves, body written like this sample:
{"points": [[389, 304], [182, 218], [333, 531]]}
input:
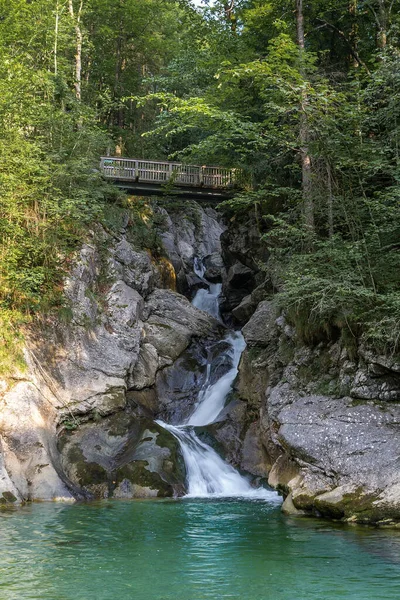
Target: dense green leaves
{"points": [[51, 137], [214, 84], [340, 98]]}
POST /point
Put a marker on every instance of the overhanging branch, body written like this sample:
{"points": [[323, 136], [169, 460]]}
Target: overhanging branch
{"points": [[353, 52]]}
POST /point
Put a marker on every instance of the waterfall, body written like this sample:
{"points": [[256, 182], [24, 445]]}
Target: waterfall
{"points": [[207, 474], [211, 398], [206, 298]]}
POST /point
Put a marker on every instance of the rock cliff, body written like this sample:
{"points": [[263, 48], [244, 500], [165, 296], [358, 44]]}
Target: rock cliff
{"points": [[331, 449], [80, 421], [319, 423]]}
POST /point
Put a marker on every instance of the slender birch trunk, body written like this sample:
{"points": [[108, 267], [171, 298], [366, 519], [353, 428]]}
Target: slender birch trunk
{"points": [[76, 19], [305, 159]]}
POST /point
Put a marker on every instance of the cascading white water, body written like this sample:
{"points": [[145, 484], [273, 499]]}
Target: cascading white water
{"points": [[206, 298], [211, 398], [207, 474], [199, 267]]}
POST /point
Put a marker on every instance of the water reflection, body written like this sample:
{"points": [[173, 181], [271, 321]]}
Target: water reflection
{"points": [[190, 550]]}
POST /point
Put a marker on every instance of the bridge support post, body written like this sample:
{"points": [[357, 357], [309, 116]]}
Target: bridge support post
{"points": [[201, 176]]}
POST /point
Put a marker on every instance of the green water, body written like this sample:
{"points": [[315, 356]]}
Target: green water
{"points": [[190, 550]]}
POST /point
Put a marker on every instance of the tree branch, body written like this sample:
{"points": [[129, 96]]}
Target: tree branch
{"points": [[371, 8], [353, 52]]}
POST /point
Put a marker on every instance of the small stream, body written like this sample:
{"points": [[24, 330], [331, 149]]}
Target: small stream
{"points": [[207, 474]]}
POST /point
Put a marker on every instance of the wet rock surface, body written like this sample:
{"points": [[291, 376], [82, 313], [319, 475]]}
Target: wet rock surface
{"points": [[215, 268], [179, 385], [189, 233]]}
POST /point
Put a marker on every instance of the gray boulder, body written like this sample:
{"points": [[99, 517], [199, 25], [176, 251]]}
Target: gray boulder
{"points": [[215, 268], [261, 329], [376, 381], [347, 457], [245, 309], [136, 268], [122, 456]]}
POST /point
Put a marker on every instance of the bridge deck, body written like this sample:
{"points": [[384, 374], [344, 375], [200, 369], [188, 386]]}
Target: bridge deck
{"points": [[146, 174]]}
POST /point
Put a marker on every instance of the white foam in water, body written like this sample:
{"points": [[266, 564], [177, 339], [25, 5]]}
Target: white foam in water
{"points": [[199, 267], [212, 399], [207, 474], [206, 298]]}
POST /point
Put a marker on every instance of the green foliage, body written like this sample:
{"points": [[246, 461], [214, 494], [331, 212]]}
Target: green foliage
{"points": [[49, 193], [340, 277], [51, 139], [11, 343], [139, 216], [209, 85]]}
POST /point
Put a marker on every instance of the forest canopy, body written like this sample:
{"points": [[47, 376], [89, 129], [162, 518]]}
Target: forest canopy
{"points": [[304, 97]]}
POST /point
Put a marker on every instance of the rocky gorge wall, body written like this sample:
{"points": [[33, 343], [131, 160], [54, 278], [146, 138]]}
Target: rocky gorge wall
{"points": [[80, 421], [317, 423]]}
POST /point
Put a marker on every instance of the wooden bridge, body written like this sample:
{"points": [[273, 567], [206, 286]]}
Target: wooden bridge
{"points": [[152, 177]]}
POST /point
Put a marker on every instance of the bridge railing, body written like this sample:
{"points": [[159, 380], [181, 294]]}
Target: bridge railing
{"points": [[148, 171]]}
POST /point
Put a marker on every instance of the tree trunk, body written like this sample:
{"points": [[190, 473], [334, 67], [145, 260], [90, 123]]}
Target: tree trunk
{"points": [[381, 14], [230, 14], [119, 60], [305, 159], [382, 24], [354, 33], [56, 39], [300, 24], [76, 18]]}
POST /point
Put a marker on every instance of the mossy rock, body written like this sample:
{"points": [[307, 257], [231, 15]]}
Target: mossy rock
{"points": [[138, 474], [99, 455], [8, 498], [357, 506]]}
